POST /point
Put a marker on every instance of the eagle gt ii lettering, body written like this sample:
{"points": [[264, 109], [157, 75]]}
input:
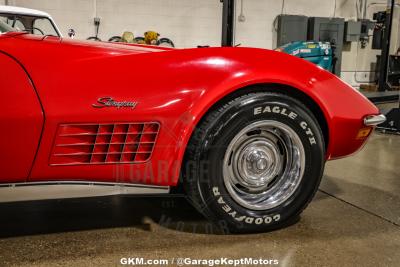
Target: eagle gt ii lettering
{"points": [[250, 157], [290, 114]]}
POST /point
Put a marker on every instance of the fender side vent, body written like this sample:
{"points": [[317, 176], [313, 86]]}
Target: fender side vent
{"points": [[77, 144]]}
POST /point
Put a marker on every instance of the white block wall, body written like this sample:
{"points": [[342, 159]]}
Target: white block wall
{"points": [[198, 22], [187, 22]]}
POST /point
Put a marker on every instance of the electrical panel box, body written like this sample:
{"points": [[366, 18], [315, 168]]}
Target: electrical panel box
{"points": [[352, 31], [366, 26], [329, 30], [291, 28]]}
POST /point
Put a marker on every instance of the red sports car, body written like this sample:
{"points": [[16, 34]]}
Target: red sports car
{"points": [[244, 132]]}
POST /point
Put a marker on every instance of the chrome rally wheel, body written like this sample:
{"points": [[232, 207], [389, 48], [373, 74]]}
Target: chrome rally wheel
{"points": [[263, 165], [254, 162]]}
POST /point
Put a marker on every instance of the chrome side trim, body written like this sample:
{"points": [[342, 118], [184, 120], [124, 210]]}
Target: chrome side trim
{"points": [[374, 120], [71, 189]]}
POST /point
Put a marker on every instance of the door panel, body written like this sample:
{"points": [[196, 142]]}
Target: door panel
{"points": [[21, 122]]}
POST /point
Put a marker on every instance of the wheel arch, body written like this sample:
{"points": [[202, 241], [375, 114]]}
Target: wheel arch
{"points": [[314, 107], [296, 93], [277, 88], [282, 88]]}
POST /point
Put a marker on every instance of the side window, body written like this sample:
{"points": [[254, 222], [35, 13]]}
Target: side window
{"points": [[18, 25], [13, 22], [44, 26]]}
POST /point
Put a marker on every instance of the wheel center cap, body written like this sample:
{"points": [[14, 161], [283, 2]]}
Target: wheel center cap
{"points": [[258, 161], [261, 164], [258, 164]]}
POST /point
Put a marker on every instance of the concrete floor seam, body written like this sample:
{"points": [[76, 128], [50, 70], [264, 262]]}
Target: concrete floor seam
{"points": [[359, 208]]}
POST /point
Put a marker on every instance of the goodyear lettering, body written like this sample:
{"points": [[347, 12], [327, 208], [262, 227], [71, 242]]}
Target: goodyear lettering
{"points": [[247, 219], [216, 191], [226, 208], [240, 219], [233, 214]]}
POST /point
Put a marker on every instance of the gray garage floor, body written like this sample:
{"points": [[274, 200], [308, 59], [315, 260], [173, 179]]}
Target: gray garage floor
{"points": [[354, 220]]}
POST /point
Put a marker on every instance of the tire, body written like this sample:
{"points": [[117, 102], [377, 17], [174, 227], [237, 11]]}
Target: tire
{"points": [[254, 164], [115, 39], [94, 38], [140, 40], [165, 42]]}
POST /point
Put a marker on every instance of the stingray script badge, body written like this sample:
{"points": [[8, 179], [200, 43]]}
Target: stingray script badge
{"points": [[109, 102]]}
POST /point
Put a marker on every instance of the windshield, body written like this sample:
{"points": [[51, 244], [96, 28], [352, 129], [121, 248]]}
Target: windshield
{"points": [[4, 27], [30, 24]]}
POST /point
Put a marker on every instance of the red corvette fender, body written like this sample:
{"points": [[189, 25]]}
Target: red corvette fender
{"points": [[174, 88]]}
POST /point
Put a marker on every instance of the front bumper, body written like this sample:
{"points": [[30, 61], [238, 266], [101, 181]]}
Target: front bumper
{"points": [[374, 120]]}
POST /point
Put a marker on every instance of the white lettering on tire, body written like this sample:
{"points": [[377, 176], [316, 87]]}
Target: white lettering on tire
{"points": [[247, 219], [290, 114], [309, 132], [275, 109], [267, 220]]}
